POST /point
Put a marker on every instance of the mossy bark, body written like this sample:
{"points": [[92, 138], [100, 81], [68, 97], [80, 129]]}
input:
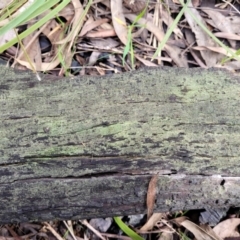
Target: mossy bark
{"points": [[87, 147]]}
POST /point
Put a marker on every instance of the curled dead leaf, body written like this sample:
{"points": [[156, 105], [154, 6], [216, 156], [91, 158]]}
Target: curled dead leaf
{"points": [[203, 232], [227, 228], [152, 221], [119, 22]]}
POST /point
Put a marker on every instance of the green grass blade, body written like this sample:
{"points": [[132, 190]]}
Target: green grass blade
{"points": [[12, 7], [127, 230], [170, 30], [132, 54], [20, 18], [41, 10], [127, 47], [129, 44], [140, 15], [36, 25], [226, 59]]}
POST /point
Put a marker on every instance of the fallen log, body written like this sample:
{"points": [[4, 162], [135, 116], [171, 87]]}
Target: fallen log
{"points": [[85, 147]]}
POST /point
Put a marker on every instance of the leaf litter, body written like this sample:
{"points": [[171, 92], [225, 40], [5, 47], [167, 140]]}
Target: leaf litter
{"points": [[70, 33], [90, 38]]}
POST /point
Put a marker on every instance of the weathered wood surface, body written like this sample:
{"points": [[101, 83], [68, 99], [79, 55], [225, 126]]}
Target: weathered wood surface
{"points": [[87, 147]]}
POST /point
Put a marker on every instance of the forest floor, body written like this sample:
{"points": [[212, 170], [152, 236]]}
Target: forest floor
{"points": [[109, 37]]}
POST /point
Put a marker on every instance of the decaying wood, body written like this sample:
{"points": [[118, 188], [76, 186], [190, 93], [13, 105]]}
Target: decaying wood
{"points": [[86, 147]]}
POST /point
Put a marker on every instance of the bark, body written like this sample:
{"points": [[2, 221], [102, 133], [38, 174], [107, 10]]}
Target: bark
{"points": [[75, 148]]}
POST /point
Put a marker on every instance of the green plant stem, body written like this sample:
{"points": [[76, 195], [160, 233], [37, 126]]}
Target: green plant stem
{"points": [[170, 30], [228, 50], [133, 235]]}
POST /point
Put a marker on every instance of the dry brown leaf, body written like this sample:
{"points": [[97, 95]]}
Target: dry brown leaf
{"points": [[210, 231], [197, 59], [102, 33], [4, 3], [202, 37], [215, 49], [179, 220], [76, 25], [166, 236], [67, 12], [101, 71], [104, 43], [106, 26], [19, 11], [54, 32], [221, 22], [225, 4], [146, 62], [85, 222], [28, 44], [81, 60], [156, 19], [227, 35], [235, 22], [27, 236], [118, 19], [69, 226], [231, 66], [8, 36], [93, 57], [173, 51], [33, 52], [152, 221], [90, 26], [196, 3], [13, 233], [53, 231], [151, 195], [191, 41], [200, 232], [168, 20], [136, 6], [68, 41], [227, 228], [45, 66]]}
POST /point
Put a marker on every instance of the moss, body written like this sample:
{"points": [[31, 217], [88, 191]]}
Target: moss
{"points": [[187, 119]]}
